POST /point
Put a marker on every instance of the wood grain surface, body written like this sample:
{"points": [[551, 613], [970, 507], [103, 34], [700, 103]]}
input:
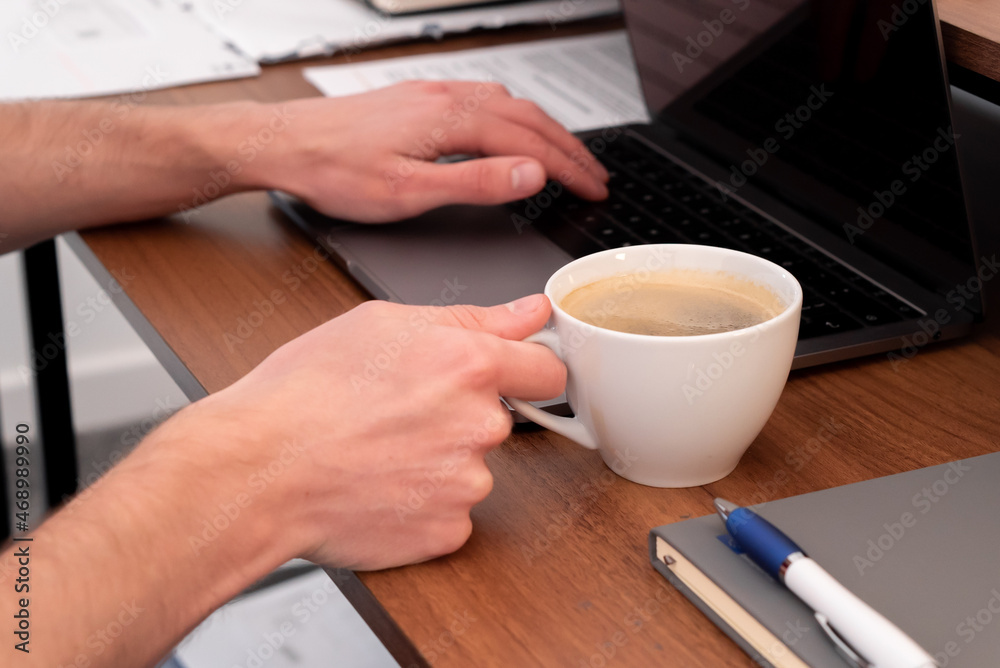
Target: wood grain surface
{"points": [[556, 572], [971, 32]]}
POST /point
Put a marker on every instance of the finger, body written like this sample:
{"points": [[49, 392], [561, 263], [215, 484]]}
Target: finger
{"points": [[513, 367], [471, 97], [529, 114], [479, 181], [488, 134], [489, 428], [513, 321], [528, 371], [503, 362]]}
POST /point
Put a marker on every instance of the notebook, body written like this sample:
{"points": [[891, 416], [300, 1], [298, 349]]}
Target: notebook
{"points": [[827, 149], [920, 547]]}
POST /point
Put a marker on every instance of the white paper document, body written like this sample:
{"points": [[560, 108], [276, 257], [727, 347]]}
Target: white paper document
{"points": [[276, 30], [583, 82], [298, 623], [81, 48]]}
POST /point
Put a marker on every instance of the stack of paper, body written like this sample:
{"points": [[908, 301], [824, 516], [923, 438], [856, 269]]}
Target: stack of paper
{"points": [[74, 48], [583, 82], [271, 31]]}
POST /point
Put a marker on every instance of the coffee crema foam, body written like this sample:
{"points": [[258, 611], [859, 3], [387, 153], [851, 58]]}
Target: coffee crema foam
{"points": [[676, 303]]}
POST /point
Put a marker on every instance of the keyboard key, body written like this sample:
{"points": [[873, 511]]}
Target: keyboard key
{"points": [[820, 322], [867, 309], [655, 234], [613, 236], [711, 238], [613, 207]]}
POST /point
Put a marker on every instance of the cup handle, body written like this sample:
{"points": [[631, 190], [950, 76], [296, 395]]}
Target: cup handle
{"points": [[571, 428]]}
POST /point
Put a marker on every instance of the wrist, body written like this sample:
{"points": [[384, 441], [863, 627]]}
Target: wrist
{"points": [[205, 461], [205, 148], [256, 468], [261, 150]]}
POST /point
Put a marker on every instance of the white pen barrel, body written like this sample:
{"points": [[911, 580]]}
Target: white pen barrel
{"points": [[873, 636]]}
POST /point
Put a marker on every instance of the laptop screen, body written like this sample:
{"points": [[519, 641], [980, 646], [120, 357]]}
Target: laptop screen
{"points": [[839, 109]]}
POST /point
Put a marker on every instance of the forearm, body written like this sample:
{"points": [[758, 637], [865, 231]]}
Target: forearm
{"points": [[71, 165], [120, 574]]}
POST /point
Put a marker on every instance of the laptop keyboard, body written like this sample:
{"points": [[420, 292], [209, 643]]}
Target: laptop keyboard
{"points": [[654, 200]]}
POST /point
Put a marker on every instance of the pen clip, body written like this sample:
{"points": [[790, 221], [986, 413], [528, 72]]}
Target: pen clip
{"points": [[843, 647]]}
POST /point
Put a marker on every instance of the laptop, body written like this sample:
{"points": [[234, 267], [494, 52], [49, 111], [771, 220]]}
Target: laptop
{"points": [[815, 134]]}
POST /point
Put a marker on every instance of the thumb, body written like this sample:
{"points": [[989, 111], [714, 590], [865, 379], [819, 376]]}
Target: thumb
{"points": [[514, 320], [480, 181]]}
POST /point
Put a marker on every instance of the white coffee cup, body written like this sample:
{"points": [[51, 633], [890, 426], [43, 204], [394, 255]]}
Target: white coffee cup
{"points": [[668, 411]]}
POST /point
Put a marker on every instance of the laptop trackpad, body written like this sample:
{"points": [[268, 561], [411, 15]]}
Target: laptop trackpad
{"points": [[454, 255]]}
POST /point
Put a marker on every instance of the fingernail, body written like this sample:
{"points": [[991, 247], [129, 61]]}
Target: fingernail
{"points": [[527, 176], [526, 305]]}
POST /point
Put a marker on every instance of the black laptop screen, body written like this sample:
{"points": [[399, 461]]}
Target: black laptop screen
{"points": [[838, 107]]}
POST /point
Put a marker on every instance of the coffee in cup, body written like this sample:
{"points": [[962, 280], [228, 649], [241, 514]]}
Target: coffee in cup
{"points": [[676, 303]]}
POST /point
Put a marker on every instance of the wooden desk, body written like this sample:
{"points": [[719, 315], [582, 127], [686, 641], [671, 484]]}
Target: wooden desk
{"points": [[971, 31], [556, 572]]}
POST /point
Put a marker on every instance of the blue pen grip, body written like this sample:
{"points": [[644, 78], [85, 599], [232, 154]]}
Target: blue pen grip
{"points": [[761, 540]]}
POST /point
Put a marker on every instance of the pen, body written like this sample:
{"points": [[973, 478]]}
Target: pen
{"points": [[858, 630]]}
